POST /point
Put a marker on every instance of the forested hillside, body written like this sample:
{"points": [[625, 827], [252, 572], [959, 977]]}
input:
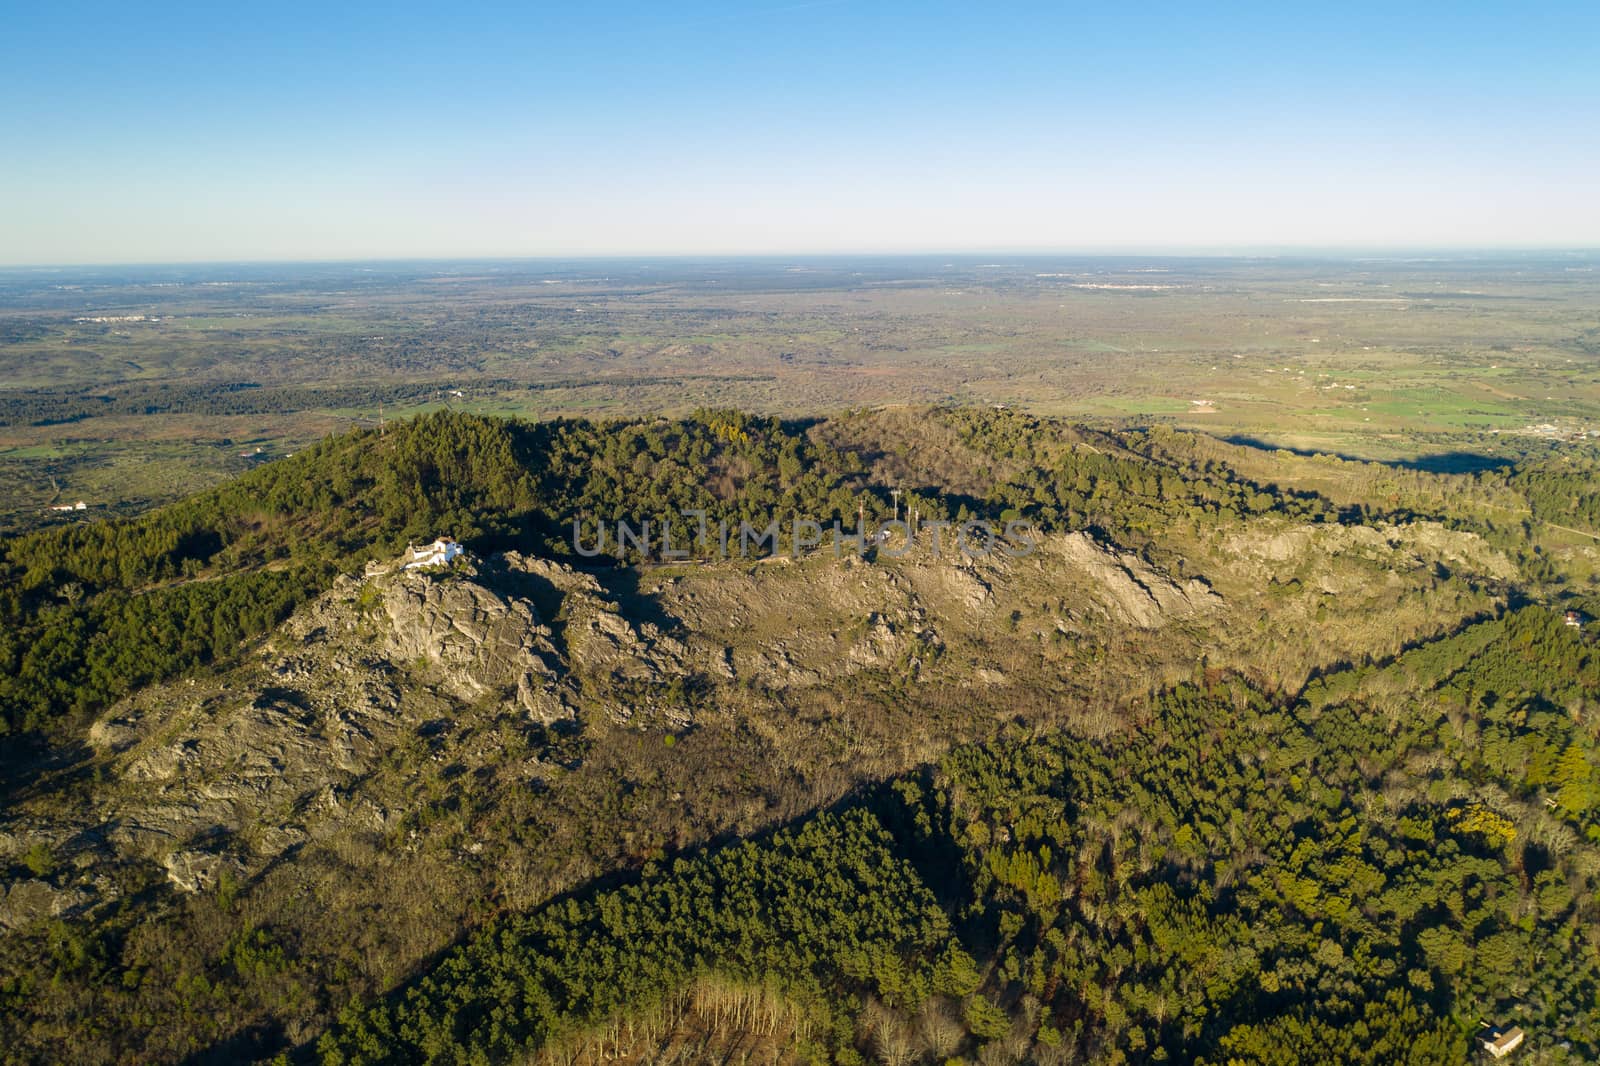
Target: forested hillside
{"points": [[90, 611], [1257, 758]]}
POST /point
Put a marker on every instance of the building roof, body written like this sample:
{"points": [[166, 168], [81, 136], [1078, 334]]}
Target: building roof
{"points": [[1500, 1044], [441, 552]]}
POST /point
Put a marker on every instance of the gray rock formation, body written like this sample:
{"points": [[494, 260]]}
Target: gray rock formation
{"points": [[482, 643], [229, 772], [1131, 590]]}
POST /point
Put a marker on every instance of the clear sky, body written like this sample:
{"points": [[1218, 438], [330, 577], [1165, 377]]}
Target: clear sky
{"points": [[161, 132]]}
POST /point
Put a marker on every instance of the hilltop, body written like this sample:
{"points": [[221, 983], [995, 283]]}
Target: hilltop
{"points": [[260, 774]]}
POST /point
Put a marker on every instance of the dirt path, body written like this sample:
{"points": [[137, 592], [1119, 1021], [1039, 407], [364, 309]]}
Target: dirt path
{"points": [[1569, 529]]}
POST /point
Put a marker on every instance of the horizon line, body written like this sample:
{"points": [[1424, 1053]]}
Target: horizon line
{"points": [[1189, 251]]}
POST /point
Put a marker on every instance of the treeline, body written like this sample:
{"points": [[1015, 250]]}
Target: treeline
{"points": [[77, 658], [496, 483], [491, 483], [1523, 652], [1076, 479], [1229, 881], [1564, 490], [827, 911], [50, 407]]}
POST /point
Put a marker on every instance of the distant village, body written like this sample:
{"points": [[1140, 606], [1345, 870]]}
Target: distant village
{"points": [[1557, 432]]}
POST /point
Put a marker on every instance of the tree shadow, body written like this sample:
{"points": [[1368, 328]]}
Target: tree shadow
{"points": [[625, 585], [1456, 462], [932, 853]]}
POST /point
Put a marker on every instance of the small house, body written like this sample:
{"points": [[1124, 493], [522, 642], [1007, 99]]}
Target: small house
{"points": [[1574, 619], [441, 552], [1500, 1043]]}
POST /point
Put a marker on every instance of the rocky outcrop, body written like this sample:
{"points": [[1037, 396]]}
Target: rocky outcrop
{"points": [[599, 638], [1390, 548], [28, 901], [483, 643], [193, 870], [228, 773], [1128, 588]]}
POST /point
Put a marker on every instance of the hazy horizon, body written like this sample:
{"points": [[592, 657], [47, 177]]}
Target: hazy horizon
{"points": [[1396, 253]]}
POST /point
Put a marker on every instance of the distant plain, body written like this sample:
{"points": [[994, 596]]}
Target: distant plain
{"points": [[130, 386]]}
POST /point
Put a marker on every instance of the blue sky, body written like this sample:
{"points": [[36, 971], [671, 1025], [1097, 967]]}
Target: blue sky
{"points": [[286, 131]]}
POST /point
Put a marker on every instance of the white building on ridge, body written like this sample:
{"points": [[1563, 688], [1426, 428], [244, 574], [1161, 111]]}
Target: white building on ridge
{"points": [[441, 552]]}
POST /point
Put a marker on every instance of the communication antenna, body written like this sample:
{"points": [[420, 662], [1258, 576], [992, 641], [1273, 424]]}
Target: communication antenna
{"points": [[896, 494]]}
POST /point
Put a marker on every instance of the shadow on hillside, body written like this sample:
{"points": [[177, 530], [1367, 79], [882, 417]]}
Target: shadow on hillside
{"points": [[627, 586], [934, 856], [31, 765], [1442, 463]]}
